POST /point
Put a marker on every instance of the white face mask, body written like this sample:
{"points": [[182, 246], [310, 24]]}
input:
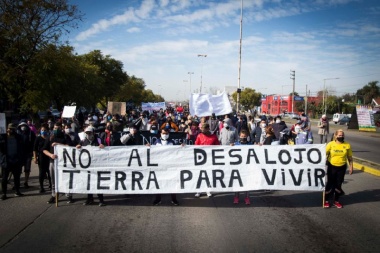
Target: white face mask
{"points": [[164, 136], [297, 129], [278, 121], [263, 125], [225, 125], [67, 130], [23, 128]]}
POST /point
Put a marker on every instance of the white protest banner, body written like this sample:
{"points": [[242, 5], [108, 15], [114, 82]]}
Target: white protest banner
{"points": [[68, 111], [153, 106], [204, 105], [188, 169], [3, 125]]}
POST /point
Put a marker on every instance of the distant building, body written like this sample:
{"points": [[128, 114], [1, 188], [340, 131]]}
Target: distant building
{"points": [[278, 104]]}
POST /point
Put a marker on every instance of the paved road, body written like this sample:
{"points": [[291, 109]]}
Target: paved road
{"points": [[277, 221]]}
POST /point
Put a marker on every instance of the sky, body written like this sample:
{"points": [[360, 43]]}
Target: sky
{"points": [[328, 43]]}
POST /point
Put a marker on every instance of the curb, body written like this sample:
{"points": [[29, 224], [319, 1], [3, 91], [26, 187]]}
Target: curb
{"points": [[367, 169]]}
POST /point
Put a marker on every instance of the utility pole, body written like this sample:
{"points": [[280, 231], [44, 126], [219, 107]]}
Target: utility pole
{"points": [[190, 73], [241, 35], [203, 56], [293, 76]]}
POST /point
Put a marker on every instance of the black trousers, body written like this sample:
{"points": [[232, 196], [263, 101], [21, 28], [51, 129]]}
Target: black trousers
{"points": [[90, 197], [16, 171], [335, 179], [173, 196], [43, 166]]}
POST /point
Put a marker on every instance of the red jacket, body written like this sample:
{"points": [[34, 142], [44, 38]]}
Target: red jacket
{"points": [[203, 139]]}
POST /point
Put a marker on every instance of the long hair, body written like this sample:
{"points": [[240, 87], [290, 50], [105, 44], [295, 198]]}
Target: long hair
{"points": [[336, 133]]}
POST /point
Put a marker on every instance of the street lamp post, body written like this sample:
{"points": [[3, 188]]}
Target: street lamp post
{"points": [[324, 93], [203, 56], [190, 73]]}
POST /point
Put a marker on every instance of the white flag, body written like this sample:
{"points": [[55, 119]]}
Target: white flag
{"points": [[204, 104]]}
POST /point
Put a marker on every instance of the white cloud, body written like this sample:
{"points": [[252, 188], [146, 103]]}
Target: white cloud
{"points": [[133, 30]]}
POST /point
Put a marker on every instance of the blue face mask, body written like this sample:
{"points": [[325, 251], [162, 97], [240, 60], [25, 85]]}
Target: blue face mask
{"points": [[43, 133]]}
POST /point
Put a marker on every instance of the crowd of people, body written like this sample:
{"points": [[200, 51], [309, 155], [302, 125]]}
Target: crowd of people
{"points": [[25, 143]]}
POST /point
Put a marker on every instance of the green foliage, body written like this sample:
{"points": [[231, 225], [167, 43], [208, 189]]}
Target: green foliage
{"points": [[249, 98], [368, 92]]}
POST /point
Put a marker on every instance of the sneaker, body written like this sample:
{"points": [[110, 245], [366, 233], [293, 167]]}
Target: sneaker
{"points": [[26, 186], [175, 202], [3, 197], [337, 204], [51, 200], [197, 195], [156, 202], [88, 202], [247, 201], [102, 204], [326, 204], [19, 194], [236, 200], [209, 194], [70, 200]]}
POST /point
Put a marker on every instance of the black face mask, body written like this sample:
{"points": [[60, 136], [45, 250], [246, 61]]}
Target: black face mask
{"points": [[243, 140], [340, 139]]}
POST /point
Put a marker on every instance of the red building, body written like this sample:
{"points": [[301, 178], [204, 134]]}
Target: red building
{"points": [[278, 104]]}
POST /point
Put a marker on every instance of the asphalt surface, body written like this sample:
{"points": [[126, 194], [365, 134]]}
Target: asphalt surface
{"points": [[276, 221]]}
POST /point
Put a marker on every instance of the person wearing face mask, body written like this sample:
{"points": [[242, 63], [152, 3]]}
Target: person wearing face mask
{"points": [[243, 140], [41, 159], [192, 131], [28, 139], [164, 140], [56, 138], [169, 125], [91, 139], [278, 127], [133, 137], [72, 138], [338, 152], [205, 137], [302, 136], [259, 134], [214, 124], [11, 159], [228, 134], [182, 125]]}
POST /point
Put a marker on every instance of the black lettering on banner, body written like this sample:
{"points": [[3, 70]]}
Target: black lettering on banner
{"points": [[80, 158], [148, 160], [308, 176], [203, 176], [136, 178], [283, 176], [280, 157], [200, 156], [300, 160], [66, 155], [100, 178], [296, 182], [219, 178], [267, 158], [251, 152], [88, 180], [309, 156], [269, 181], [187, 178], [214, 157], [319, 174], [152, 177], [239, 158], [233, 177], [120, 178], [71, 172], [137, 156]]}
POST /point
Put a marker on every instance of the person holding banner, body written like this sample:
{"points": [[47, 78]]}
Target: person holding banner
{"points": [[92, 140], [41, 159], [56, 138], [338, 152], [206, 138], [164, 141], [133, 137], [228, 134], [243, 140]]}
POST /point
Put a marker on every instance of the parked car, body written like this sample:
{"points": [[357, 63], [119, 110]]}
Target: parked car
{"points": [[42, 115], [55, 113], [337, 117], [344, 121], [292, 115]]}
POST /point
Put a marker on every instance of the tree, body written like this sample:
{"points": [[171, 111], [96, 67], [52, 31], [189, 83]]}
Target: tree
{"points": [[249, 98], [369, 92], [26, 28]]}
